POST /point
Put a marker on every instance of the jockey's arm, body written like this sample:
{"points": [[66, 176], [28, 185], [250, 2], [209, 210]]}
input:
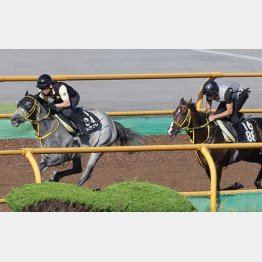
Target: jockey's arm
{"points": [[226, 113], [65, 97]]}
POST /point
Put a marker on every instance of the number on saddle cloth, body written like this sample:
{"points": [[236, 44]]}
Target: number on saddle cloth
{"points": [[249, 131], [246, 130], [90, 121]]}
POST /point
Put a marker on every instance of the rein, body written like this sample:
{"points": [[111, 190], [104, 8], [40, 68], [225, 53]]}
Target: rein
{"points": [[37, 121], [192, 129]]}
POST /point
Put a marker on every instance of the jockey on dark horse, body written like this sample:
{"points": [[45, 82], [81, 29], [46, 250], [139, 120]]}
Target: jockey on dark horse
{"points": [[65, 99], [231, 97]]}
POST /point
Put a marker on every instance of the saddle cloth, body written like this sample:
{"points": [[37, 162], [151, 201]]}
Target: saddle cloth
{"points": [[87, 118], [92, 122], [230, 134]]}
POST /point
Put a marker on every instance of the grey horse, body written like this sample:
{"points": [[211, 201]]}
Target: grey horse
{"points": [[50, 133]]}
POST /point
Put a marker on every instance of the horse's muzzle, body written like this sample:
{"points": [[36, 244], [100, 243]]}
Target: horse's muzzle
{"points": [[172, 131], [16, 120]]}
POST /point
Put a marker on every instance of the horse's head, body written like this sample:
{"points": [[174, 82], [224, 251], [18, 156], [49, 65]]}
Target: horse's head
{"points": [[181, 117], [26, 110]]}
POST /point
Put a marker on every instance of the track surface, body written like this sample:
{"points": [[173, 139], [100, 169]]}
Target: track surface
{"points": [[178, 170]]}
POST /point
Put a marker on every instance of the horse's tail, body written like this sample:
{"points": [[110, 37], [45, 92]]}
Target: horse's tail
{"points": [[128, 137]]}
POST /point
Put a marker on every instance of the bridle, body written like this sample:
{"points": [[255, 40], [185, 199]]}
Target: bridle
{"points": [[31, 111], [36, 122], [191, 130], [187, 118]]}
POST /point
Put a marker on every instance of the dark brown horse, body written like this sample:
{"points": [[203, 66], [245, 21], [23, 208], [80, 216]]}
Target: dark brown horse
{"points": [[200, 130]]}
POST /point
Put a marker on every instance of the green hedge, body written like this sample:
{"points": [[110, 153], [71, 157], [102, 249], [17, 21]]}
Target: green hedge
{"points": [[130, 196]]}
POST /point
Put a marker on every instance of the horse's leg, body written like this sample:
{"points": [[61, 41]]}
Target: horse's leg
{"points": [[256, 158], [94, 157], [258, 181], [77, 168], [219, 174], [42, 166]]}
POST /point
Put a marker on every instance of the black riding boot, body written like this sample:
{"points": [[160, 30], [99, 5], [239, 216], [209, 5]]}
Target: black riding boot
{"points": [[81, 126], [241, 132]]}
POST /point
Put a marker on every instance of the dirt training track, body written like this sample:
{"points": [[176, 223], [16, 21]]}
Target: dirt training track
{"points": [[178, 170]]}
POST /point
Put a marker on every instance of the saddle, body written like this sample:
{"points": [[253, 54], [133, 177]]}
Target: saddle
{"points": [[83, 119], [229, 132], [231, 135]]}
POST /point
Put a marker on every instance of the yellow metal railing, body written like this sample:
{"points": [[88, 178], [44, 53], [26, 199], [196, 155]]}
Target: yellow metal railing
{"points": [[208, 75], [132, 76], [154, 112], [28, 152], [203, 148]]}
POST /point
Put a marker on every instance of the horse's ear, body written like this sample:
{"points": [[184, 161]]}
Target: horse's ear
{"points": [[190, 101], [26, 93], [182, 101]]}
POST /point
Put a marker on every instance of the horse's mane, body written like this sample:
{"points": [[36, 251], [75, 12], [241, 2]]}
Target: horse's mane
{"points": [[40, 100], [192, 106]]}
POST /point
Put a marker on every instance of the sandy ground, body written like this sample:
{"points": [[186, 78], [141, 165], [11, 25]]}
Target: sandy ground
{"points": [[178, 170]]}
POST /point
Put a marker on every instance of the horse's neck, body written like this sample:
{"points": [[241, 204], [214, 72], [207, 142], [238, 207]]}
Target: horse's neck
{"points": [[196, 119], [202, 131], [49, 130]]}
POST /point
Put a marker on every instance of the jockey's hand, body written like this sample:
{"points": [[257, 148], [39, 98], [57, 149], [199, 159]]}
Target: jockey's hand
{"points": [[53, 108], [212, 118], [247, 90]]}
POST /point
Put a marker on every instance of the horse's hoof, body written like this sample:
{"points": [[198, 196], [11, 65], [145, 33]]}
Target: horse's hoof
{"points": [[49, 180], [53, 180], [81, 182], [258, 184], [54, 177], [234, 186], [238, 185]]}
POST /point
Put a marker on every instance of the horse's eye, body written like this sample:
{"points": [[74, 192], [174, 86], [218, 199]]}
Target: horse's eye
{"points": [[28, 104]]}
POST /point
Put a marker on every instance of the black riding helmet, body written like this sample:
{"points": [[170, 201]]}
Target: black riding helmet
{"points": [[210, 88], [44, 81]]}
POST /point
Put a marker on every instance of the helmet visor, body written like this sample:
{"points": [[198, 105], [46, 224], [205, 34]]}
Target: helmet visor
{"points": [[43, 87]]}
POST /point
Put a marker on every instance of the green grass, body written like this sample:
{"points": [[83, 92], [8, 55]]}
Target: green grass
{"points": [[130, 196], [31, 194], [143, 197]]}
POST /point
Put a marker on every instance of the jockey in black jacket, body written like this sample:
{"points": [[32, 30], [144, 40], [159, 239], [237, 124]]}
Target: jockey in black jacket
{"points": [[231, 97], [65, 99]]}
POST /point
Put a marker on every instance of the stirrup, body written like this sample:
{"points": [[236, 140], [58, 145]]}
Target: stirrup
{"points": [[81, 131], [241, 139]]}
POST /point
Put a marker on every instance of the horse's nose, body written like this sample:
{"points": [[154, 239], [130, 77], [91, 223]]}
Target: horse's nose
{"points": [[170, 131], [15, 121]]}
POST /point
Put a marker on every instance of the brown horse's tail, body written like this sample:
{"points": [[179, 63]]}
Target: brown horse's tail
{"points": [[128, 137]]}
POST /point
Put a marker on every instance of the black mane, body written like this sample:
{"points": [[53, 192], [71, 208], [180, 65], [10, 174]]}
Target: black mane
{"points": [[41, 100], [192, 106]]}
